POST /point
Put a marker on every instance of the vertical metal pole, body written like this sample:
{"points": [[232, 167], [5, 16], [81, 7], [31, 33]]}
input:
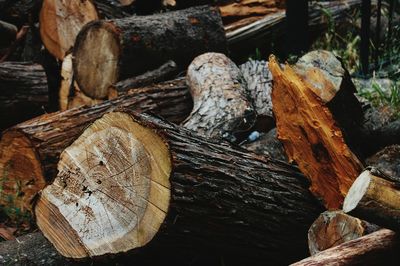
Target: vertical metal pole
{"points": [[365, 34], [378, 33], [297, 40]]}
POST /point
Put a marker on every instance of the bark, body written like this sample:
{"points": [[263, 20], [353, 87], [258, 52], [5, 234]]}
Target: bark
{"points": [[133, 45], [162, 73], [305, 103], [29, 152], [61, 21], [23, 92], [374, 199], [268, 145], [109, 9], [8, 33], [231, 200], [378, 248], [333, 228], [19, 12], [222, 105], [387, 160]]}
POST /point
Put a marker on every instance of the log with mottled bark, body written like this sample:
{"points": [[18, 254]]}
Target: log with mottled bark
{"points": [[23, 92], [387, 160], [222, 105], [132, 179], [378, 248], [108, 51], [29, 152], [374, 199], [305, 104], [8, 33], [333, 228], [61, 21]]}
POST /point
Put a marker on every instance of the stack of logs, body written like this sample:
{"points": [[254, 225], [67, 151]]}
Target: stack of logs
{"points": [[227, 164]]}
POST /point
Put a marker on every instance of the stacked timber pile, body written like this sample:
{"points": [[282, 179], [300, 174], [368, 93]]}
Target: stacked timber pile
{"points": [[138, 138]]}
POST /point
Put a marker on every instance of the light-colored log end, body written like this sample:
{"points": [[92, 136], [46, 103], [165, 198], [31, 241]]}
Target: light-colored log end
{"points": [[112, 190], [357, 191]]}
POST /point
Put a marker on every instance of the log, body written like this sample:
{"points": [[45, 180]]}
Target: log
{"points": [[222, 105], [29, 152], [8, 33], [333, 228], [374, 199], [175, 184], [303, 98], [61, 21], [133, 45], [387, 160], [110, 9], [378, 248], [23, 92], [268, 145]]}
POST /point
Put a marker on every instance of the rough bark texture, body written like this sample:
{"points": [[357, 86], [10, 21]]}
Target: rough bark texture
{"points": [[308, 129], [333, 228], [375, 200], [164, 72], [378, 248], [229, 199], [109, 9], [222, 105], [23, 92], [136, 44], [61, 21], [29, 152], [268, 145], [387, 160]]}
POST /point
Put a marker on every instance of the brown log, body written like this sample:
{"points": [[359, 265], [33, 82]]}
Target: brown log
{"points": [[175, 184], [222, 104], [29, 152], [8, 33], [23, 92], [333, 228], [126, 47], [61, 21], [268, 145], [374, 199], [304, 101], [378, 248], [387, 161]]}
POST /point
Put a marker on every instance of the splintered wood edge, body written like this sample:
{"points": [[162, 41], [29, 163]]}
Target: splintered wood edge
{"points": [[96, 57], [21, 173], [85, 212], [60, 22]]}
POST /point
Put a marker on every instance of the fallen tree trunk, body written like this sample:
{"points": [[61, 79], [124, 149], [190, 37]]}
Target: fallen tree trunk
{"points": [[333, 228], [222, 105], [307, 101], [374, 199], [29, 152], [133, 45], [23, 92], [169, 183], [61, 21], [378, 248]]}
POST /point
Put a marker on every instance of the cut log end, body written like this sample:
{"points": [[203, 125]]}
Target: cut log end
{"points": [[19, 161], [96, 54], [357, 191], [111, 196], [60, 22]]}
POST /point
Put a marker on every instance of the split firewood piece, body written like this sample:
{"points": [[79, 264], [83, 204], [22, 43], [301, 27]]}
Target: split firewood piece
{"points": [[222, 104], [61, 21], [23, 92], [162, 73], [246, 8], [29, 152], [374, 199], [333, 228], [108, 51], [377, 248], [269, 145], [309, 131], [8, 33], [70, 96], [129, 177]]}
